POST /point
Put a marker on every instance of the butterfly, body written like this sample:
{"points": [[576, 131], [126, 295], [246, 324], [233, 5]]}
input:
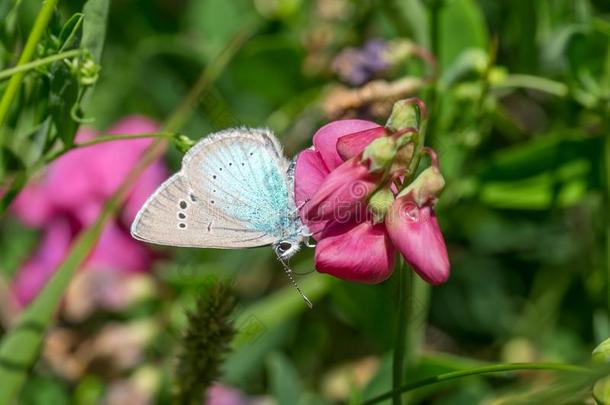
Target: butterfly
{"points": [[235, 190]]}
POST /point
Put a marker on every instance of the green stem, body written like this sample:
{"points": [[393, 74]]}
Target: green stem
{"points": [[606, 159], [44, 16], [5, 74], [107, 138], [434, 12], [496, 368], [533, 82], [398, 365]]}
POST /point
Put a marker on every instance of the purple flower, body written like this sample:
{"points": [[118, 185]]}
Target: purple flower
{"points": [[70, 195], [359, 65]]}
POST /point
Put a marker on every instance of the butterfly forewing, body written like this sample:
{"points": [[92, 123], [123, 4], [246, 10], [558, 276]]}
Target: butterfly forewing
{"points": [[232, 192]]}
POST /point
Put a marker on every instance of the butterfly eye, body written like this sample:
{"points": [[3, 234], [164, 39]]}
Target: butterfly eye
{"points": [[284, 246]]}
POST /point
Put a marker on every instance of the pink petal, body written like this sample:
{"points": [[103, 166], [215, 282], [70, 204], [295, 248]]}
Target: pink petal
{"points": [[135, 124], [325, 139], [341, 193], [356, 252], [354, 144], [415, 232], [33, 206], [309, 174], [114, 160], [219, 394], [34, 274], [148, 182], [117, 250]]}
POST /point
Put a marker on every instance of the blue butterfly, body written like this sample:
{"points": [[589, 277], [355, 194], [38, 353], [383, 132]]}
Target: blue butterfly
{"points": [[235, 190]]}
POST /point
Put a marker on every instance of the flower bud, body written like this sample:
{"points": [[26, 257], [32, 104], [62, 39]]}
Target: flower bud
{"points": [[426, 187], [601, 391], [601, 354], [404, 155], [407, 113], [381, 152], [379, 203], [183, 143], [89, 72]]}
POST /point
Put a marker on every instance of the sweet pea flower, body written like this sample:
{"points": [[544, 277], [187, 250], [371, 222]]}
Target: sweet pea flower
{"points": [[70, 195], [352, 248], [360, 245]]}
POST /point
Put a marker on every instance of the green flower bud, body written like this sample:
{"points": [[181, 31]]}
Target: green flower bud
{"points": [[380, 203], [601, 391], [426, 186], [601, 354], [380, 152], [183, 143], [88, 72], [407, 113]]}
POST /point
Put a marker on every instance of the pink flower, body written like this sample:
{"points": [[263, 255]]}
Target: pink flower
{"points": [[70, 195], [351, 248], [351, 244], [220, 394]]}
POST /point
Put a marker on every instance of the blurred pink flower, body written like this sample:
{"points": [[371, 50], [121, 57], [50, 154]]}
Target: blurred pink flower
{"points": [[219, 394], [70, 195], [332, 182]]}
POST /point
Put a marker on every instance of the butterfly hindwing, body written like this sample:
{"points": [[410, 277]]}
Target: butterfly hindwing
{"points": [[232, 192]]}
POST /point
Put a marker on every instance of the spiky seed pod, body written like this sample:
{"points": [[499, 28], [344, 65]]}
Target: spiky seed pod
{"points": [[205, 344]]}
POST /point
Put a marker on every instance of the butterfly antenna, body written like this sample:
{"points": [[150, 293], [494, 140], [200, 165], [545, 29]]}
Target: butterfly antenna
{"points": [[290, 275]]}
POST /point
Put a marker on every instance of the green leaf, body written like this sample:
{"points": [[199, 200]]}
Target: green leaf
{"points": [[463, 17], [63, 96], [285, 381], [71, 33], [94, 27], [538, 156], [217, 21], [9, 161]]}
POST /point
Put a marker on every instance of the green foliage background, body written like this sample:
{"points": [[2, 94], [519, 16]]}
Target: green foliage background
{"points": [[520, 117]]}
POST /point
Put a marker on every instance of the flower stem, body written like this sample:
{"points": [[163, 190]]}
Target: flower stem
{"points": [[434, 11], [42, 20], [534, 83], [399, 364], [607, 215], [495, 368], [7, 73], [108, 138]]}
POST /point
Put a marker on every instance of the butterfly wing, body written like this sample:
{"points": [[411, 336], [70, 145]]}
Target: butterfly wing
{"points": [[232, 192]]}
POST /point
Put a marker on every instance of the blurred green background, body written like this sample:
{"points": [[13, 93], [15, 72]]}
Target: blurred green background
{"points": [[520, 117]]}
